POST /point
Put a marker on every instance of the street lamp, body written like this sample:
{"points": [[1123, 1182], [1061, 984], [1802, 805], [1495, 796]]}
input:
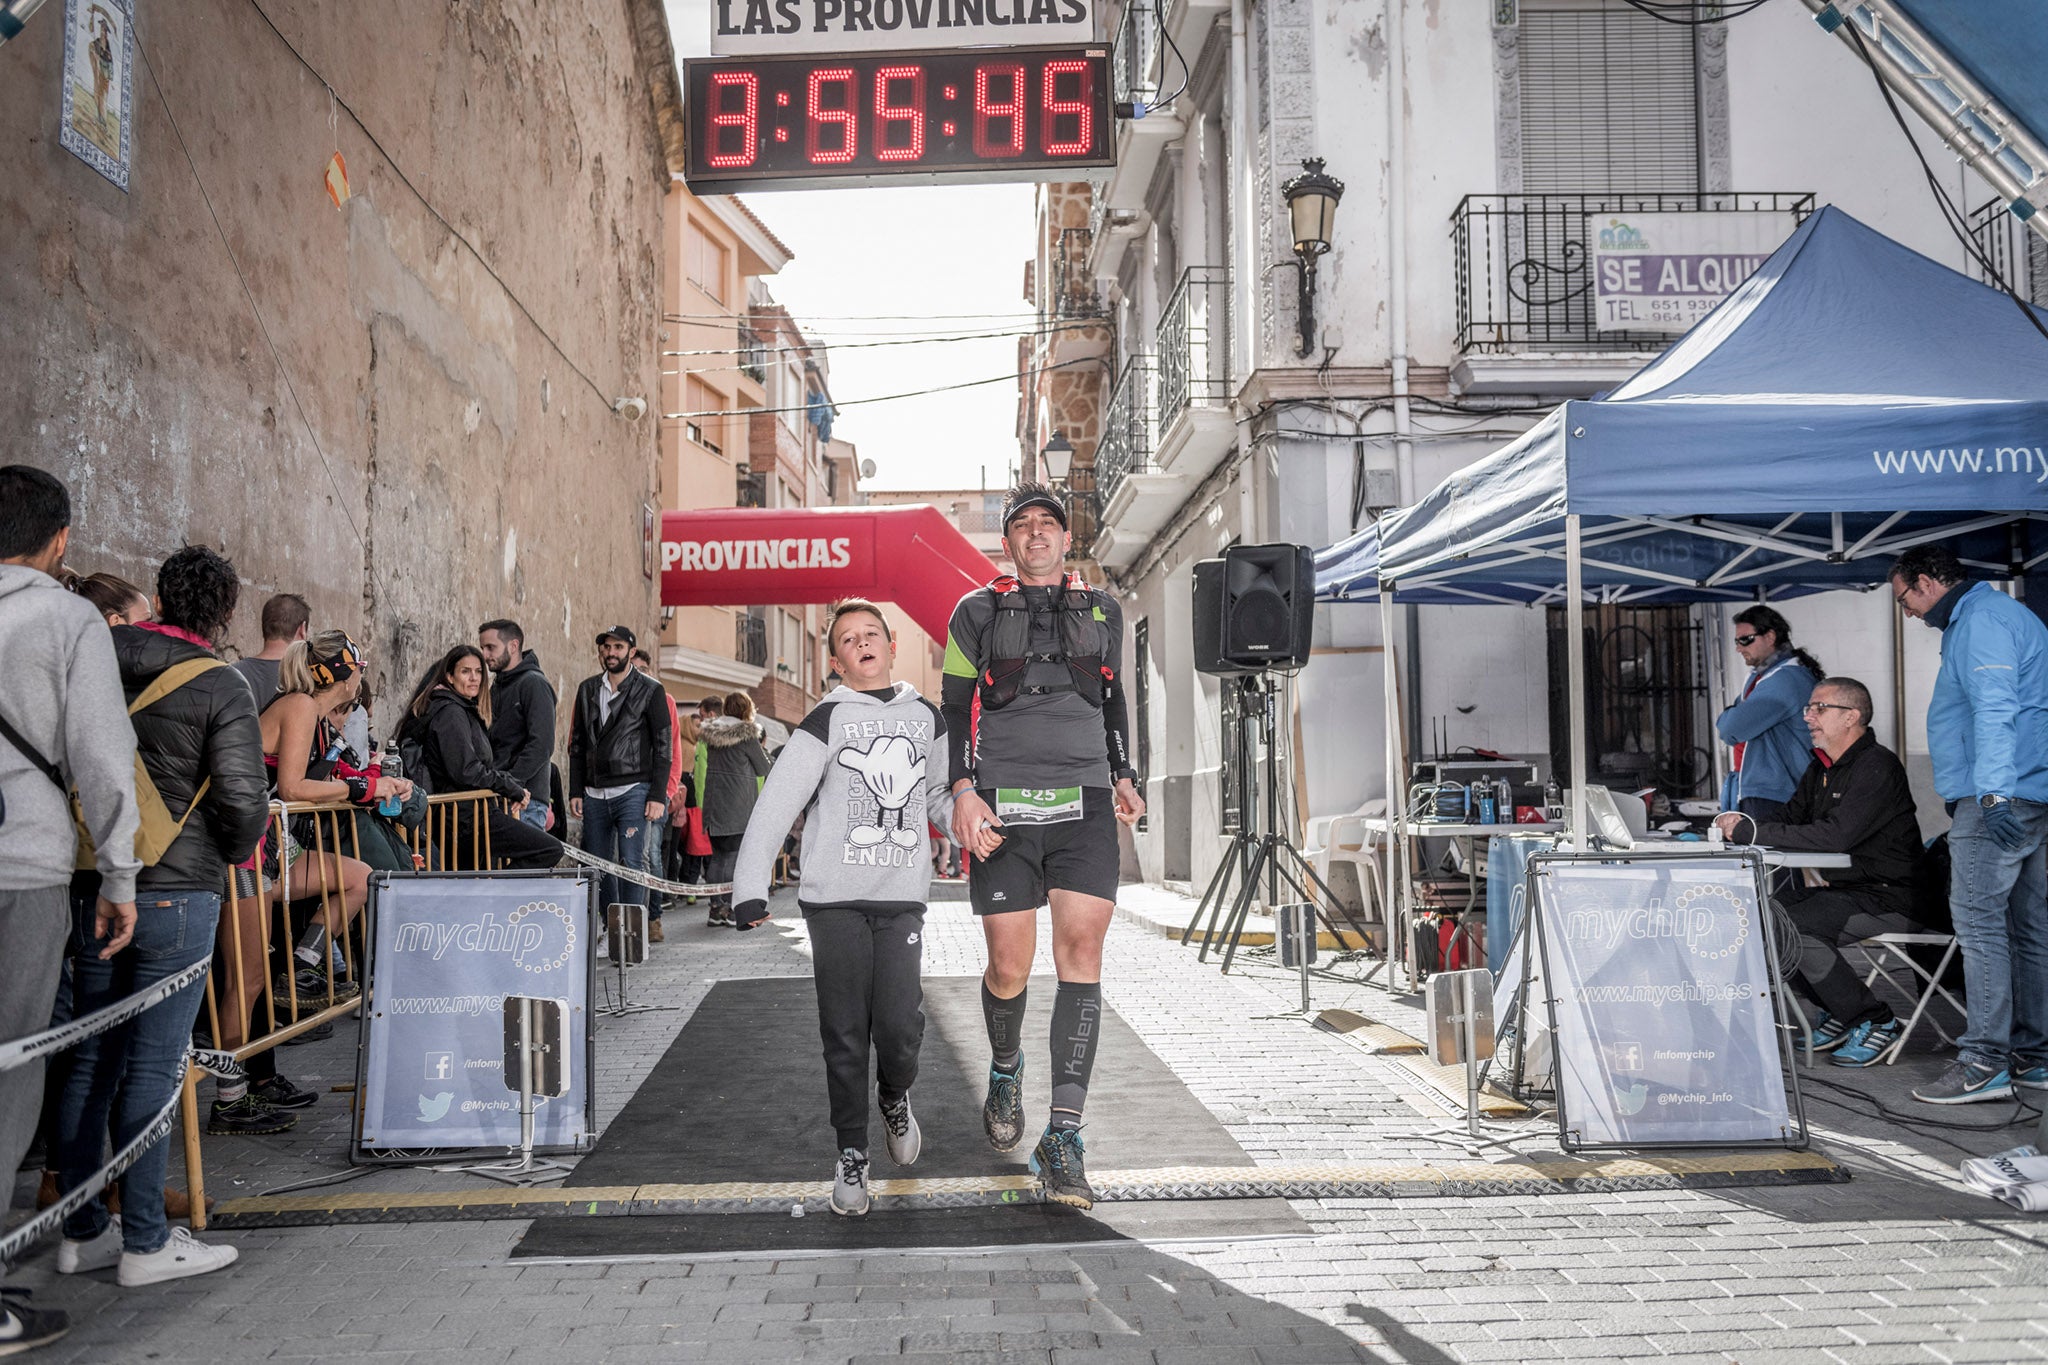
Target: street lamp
{"points": [[1312, 206], [1057, 459]]}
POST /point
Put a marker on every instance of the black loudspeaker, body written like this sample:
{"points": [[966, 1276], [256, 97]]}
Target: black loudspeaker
{"points": [[1254, 609]]}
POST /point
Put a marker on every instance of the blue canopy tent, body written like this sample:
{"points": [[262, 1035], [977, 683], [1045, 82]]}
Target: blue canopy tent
{"points": [[1850, 399]]}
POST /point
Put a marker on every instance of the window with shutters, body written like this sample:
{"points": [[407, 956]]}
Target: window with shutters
{"points": [[704, 261], [1610, 99]]}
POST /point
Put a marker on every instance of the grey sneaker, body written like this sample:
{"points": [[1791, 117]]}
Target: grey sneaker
{"points": [[850, 1186], [1966, 1083], [906, 1139], [1056, 1161], [1002, 1113]]}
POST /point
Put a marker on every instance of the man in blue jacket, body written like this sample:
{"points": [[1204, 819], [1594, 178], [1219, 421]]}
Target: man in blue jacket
{"points": [[1987, 731]]}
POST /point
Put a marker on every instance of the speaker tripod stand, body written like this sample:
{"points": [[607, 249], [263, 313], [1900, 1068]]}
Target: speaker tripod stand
{"points": [[1252, 854]]}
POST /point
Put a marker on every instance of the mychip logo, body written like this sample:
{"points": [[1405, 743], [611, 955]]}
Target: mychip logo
{"points": [[1711, 921], [539, 937]]}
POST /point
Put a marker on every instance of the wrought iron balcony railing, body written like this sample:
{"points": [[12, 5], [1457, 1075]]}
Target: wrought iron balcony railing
{"points": [[2017, 253], [1194, 342], [1074, 295], [1128, 430], [1525, 267], [751, 489], [750, 640], [753, 355]]}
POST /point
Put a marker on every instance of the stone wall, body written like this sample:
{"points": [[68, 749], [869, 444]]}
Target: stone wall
{"points": [[399, 407]]}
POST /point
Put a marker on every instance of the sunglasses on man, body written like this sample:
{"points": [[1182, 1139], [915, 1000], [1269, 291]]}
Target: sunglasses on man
{"points": [[1745, 641]]}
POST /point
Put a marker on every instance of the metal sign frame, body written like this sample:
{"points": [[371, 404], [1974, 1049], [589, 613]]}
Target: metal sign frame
{"points": [[378, 989], [1536, 918]]}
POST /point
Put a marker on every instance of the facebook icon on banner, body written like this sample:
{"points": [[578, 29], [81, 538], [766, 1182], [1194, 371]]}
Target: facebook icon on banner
{"points": [[440, 1065]]}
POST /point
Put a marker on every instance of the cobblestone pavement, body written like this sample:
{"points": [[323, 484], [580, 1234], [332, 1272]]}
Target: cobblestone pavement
{"points": [[1900, 1264]]}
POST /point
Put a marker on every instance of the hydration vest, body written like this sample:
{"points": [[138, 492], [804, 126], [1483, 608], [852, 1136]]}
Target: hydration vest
{"points": [[1084, 644]]}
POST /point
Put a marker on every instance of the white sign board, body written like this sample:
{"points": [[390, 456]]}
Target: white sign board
{"points": [[1662, 272], [756, 28], [1659, 977]]}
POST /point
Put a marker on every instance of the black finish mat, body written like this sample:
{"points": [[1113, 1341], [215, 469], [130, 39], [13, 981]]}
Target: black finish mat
{"points": [[908, 1229], [740, 1096]]}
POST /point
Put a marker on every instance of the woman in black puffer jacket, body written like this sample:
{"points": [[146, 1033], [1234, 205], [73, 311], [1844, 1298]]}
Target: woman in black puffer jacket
{"points": [[449, 720]]}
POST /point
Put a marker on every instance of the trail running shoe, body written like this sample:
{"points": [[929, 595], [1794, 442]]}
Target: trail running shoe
{"points": [[2030, 1077], [1966, 1083], [906, 1139], [279, 1093], [247, 1117], [1828, 1032], [1002, 1113], [1056, 1161], [309, 986], [1868, 1042], [850, 1186]]}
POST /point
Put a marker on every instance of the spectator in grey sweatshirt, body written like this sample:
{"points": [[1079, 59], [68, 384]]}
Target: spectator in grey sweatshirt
{"points": [[63, 726], [866, 769]]}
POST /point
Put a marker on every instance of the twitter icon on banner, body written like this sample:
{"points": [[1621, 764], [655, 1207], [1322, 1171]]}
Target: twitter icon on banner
{"points": [[435, 1109]]}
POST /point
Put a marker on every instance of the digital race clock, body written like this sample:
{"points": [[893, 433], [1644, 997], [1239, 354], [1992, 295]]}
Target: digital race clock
{"points": [[1029, 113]]}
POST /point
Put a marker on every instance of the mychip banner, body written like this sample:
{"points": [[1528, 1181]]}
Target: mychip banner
{"points": [[1662, 272], [447, 949], [1659, 978]]}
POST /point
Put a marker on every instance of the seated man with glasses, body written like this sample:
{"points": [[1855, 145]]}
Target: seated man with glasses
{"points": [[1853, 799]]}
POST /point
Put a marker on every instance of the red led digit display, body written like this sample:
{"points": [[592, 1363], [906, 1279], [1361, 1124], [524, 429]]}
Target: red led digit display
{"points": [[987, 114]]}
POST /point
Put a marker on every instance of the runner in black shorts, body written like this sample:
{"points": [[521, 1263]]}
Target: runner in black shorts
{"points": [[1047, 776]]}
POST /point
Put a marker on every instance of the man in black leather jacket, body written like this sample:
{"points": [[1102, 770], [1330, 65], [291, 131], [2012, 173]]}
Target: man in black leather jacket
{"points": [[204, 752], [618, 760]]}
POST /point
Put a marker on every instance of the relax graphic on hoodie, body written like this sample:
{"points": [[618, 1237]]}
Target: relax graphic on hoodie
{"points": [[870, 769]]}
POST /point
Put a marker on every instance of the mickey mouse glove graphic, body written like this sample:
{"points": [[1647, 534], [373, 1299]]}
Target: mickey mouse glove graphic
{"points": [[892, 767]]}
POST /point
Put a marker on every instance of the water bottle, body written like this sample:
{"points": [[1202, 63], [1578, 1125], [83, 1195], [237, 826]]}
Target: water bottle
{"points": [[390, 805]]}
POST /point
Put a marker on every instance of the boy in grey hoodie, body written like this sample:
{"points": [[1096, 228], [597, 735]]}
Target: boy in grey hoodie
{"points": [[868, 769]]}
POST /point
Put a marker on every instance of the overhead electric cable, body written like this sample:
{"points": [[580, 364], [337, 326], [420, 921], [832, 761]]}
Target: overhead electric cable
{"points": [[1950, 214], [1010, 378], [428, 204]]}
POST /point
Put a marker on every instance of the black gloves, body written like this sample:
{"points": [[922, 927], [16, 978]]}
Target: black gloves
{"points": [[747, 914]]}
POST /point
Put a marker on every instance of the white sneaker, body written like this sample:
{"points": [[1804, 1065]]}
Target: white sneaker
{"points": [[906, 1139], [183, 1255], [850, 1186], [76, 1258]]}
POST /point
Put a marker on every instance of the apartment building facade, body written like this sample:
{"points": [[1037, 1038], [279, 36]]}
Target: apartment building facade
{"points": [[1480, 147]]}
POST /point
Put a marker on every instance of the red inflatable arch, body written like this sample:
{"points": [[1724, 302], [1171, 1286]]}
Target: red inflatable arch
{"points": [[749, 556]]}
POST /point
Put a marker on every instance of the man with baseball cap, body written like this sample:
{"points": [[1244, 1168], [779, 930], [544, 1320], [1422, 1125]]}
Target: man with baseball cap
{"points": [[618, 760], [1038, 788]]}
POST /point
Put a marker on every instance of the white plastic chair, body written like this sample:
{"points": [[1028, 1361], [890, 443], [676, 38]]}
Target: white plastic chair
{"points": [[1336, 839], [1891, 949]]}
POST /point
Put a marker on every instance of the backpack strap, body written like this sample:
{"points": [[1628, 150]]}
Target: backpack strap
{"points": [[34, 755], [170, 680]]}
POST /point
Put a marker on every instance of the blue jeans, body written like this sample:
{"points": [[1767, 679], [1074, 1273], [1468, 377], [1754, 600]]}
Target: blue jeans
{"points": [[535, 814], [616, 830], [2000, 901], [139, 1058], [657, 835]]}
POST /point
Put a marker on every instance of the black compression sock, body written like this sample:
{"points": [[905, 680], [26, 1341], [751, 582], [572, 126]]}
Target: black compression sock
{"points": [[1076, 1024], [1005, 1020]]}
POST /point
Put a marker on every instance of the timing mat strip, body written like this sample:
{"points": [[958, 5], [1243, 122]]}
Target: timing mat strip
{"points": [[1358, 1180]]}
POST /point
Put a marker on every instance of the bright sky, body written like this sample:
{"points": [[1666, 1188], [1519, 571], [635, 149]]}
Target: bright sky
{"points": [[909, 262]]}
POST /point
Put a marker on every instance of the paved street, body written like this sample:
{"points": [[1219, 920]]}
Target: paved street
{"points": [[1898, 1265]]}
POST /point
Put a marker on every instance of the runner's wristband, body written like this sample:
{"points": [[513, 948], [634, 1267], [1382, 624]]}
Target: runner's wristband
{"points": [[358, 790]]}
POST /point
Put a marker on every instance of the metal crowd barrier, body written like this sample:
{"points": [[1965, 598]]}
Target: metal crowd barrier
{"points": [[253, 921]]}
